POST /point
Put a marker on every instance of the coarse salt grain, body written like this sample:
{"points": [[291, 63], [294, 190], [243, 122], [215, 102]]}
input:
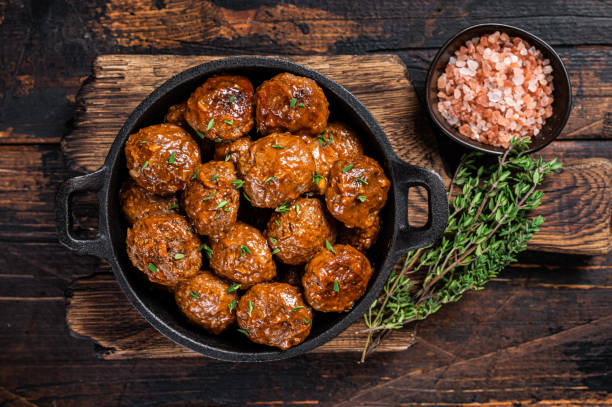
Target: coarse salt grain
{"points": [[495, 88]]}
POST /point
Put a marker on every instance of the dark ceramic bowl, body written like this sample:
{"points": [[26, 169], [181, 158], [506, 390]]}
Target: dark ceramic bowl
{"points": [[562, 93], [158, 308]]}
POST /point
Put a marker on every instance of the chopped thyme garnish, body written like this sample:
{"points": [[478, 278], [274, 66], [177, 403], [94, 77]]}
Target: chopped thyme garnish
{"points": [[336, 286], [194, 295], [143, 141], [297, 209], [273, 240], [221, 204], [244, 249], [307, 320], [283, 208], [218, 140], [206, 198], [207, 249], [152, 267], [363, 181], [292, 102], [211, 123], [316, 177], [232, 98], [329, 247], [173, 206], [146, 163], [238, 183], [171, 159], [200, 134], [230, 122], [243, 331], [276, 250], [227, 157], [195, 174], [270, 179], [297, 308], [233, 287], [250, 308], [362, 198], [232, 305], [215, 177], [179, 256], [301, 105], [277, 222], [277, 146], [247, 197], [347, 168]]}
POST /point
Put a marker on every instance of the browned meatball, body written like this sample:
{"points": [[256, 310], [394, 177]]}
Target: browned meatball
{"points": [[337, 141], [291, 103], [162, 158], [274, 314], [232, 150], [278, 168], [164, 248], [357, 191], [297, 234], [205, 301], [176, 114], [210, 200], [335, 279], [243, 256], [222, 108], [137, 202], [360, 239]]}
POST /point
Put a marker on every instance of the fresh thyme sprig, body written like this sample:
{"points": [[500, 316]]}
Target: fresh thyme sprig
{"points": [[487, 227]]}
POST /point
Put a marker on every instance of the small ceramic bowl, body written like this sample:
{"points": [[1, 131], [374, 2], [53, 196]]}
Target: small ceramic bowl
{"points": [[562, 91]]}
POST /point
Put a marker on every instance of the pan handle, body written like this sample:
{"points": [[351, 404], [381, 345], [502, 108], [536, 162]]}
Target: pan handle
{"points": [[409, 237], [98, 246]]}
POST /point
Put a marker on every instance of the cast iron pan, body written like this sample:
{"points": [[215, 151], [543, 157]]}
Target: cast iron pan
{"points": [[396, 238]]}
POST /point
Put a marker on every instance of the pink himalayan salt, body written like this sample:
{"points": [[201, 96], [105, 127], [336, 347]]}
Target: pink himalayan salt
{"points": [[496, 87]]}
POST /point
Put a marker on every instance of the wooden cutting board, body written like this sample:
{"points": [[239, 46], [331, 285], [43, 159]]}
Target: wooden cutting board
{"points": [[576, 204]]}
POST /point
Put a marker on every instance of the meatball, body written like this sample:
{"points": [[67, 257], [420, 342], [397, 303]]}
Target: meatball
{"points": [[205, 301], [334, 279], [232, 150], [291, 103], [278, 168], [210, 200], [335, 142], [274, 314], [176, 114], [360, 239], [222, 108], [243, 256], [137, 202], [298, 234], [357, 191], [162, 158], [164, 248]]}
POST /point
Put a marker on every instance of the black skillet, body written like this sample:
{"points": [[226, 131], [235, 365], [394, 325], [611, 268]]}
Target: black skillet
{"points": [[396, 237]]}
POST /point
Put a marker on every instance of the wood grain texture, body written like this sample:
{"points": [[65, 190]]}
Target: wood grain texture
{"points": [[99, 310], [375, 80]]}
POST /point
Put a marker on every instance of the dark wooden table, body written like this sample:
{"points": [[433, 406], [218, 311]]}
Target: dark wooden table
{"points": [[541, 333]]}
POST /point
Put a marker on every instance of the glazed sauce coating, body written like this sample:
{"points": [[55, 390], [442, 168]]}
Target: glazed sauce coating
{"points": [[222, 108], [137, 202], [274, 314], [232, 150], [291, 103], [176, 115], [278, 168], [210, 200], [243, 256], [337, 141], [164, 248], [205, 301], [357, 191], [162, 158], [360, 239], [301, 232], [334, 281]]}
